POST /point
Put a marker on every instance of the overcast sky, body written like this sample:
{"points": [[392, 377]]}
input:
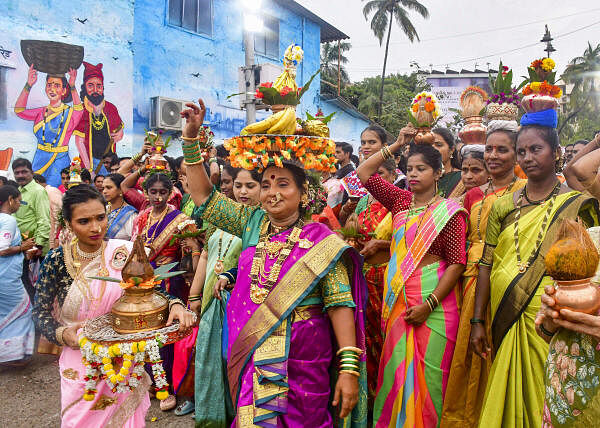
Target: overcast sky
{"points": [[459, 30]]}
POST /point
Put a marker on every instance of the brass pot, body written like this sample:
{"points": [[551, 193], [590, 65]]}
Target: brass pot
{"points": [[580, 295], [140, 309], [505, 111], [424, 136], [536, 102], [474, 131], [280, 107]]}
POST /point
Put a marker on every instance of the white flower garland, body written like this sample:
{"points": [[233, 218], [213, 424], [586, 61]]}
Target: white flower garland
{"points": [[98, 361]]}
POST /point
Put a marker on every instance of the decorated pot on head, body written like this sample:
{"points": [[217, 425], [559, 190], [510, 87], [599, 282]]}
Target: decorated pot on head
{"points": [[283, 95], [503, 103], [425, 111], [540, 94], [157, 161], [75, 172], [472, 102]]}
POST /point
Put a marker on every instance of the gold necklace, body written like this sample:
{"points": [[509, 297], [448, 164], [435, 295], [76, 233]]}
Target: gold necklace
{"points": [[98, 124], [552, 197], [259, 275], [151, 218], [412, 211], [485, 195], [219, 266], [73, 265]]}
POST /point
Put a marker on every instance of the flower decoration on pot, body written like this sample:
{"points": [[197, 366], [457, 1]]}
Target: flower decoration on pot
{"points": [[157, 162], [572, 261], [503, 103], [350, 232], [539, 89], [75, 172], [186, 229], [472, 102], [259, 151], [425, 111]]}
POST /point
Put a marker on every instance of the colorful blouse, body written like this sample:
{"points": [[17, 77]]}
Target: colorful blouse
{"points": [[450, 244]]}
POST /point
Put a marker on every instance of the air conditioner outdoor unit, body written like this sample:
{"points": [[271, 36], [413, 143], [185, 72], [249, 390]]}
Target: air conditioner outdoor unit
{"points": [[263, 73], [164, 113]]}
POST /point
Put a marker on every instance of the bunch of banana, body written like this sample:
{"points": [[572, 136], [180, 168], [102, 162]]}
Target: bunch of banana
{"points": [[263, 126], [286, 125]]}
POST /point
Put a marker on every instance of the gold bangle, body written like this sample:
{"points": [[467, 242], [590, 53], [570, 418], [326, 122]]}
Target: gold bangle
{"points": [[436, 299], [60, 331], [190, 139], [194, 162], [350, 348], [352, 372]]}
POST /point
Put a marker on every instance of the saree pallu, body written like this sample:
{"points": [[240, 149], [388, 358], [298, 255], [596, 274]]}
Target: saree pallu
{"points": [[369, 218], [468, 372], [288, 346], [120, 223], [515, 391], [108, 409], [415, 362]]}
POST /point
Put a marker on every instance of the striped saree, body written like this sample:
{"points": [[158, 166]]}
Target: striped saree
{"points": [[416, 359], [515, 391]]}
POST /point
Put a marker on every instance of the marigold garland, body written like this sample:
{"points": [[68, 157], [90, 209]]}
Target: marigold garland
{"points": [[99, 361], [258, 151], [543, 88]]}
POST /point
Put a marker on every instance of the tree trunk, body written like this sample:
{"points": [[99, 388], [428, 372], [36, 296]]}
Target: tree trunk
{"points": [[387, 46]]}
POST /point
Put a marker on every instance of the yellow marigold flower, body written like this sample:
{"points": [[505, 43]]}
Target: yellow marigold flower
{"points": [[113, 379], [162, 395], [106, 360], [127, 363], [535, 86], [548, 64], [559, 95], [120, 377], [108, 367], [123, 371], [88, 397]]}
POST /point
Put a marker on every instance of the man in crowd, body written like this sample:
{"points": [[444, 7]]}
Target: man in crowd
{"points": [[578, 146], [86, 177], [101, 126], [33, 217], [55, 197], [109, 161], [64, 180], [568, 153], [343, 153]]}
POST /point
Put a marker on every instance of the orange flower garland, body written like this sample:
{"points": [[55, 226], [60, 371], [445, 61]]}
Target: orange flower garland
{"points": [[543, 88], [258, 151]]}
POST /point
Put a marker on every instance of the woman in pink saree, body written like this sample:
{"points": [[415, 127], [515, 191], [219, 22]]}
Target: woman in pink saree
{"points": [[64, 276], [299, 296]]}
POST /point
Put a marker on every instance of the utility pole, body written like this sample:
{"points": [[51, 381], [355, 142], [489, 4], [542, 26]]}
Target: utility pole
{"points": [[249, 77], [548, 40], [339, 69]]}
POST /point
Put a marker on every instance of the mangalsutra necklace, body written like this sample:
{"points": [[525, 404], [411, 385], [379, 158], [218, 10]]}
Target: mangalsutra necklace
{"points": [[412, 211], [552, 197], [485, 195], [219, 266], [259, 275]]}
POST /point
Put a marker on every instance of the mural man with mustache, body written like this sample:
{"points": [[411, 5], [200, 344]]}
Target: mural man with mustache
{"points": [[53, 124], [101, 126]]}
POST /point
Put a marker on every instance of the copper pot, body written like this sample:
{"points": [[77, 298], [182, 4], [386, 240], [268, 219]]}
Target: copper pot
{"points": [[505, 111], [580, 295], [139, 309], [536, 102], [424, 136], [474, 131], [279, 107]]}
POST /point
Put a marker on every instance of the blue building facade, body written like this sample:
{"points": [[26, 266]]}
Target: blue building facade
{"points": [[152, 48]]}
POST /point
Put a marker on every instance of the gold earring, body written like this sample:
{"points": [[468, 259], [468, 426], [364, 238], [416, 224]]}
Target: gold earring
{"points": [[304, 200]]}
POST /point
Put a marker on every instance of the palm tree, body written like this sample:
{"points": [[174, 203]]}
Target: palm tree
{"points": [[329, 63], [582, 72], [384, 13]]}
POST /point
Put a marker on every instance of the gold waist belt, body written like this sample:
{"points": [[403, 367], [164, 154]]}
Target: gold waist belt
{"points": [[306, 312], [50, 149]]}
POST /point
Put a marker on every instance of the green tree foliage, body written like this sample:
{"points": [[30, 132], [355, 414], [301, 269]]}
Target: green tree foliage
{"points": [[581, 118], [384, 12], [398, 94], [329, 66]]}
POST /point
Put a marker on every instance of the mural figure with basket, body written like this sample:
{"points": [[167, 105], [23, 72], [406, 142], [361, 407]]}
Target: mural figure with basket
{"points": [[53, 124]]}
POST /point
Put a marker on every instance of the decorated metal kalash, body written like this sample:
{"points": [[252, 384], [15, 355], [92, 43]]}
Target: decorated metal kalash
{"points": [[115, 346], [282, 136]]}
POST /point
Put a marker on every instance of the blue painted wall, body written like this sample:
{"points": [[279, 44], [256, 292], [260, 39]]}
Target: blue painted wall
{"points": [[144, 57]]}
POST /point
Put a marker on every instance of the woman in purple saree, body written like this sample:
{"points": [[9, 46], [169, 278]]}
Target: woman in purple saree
{"points": [[298, 287]]}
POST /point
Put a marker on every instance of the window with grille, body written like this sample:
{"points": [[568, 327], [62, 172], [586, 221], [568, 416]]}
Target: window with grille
{"points": [[192, 15], [266, 42]]}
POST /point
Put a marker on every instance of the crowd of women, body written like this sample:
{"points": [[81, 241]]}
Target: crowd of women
{"points": [[441, 314]]}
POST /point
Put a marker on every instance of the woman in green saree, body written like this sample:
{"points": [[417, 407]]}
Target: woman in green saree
{"points": [[521, 228]]}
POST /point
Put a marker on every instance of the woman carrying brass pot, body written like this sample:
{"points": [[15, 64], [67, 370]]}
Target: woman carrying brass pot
{"points": [[64, 277], [297, 283]]}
